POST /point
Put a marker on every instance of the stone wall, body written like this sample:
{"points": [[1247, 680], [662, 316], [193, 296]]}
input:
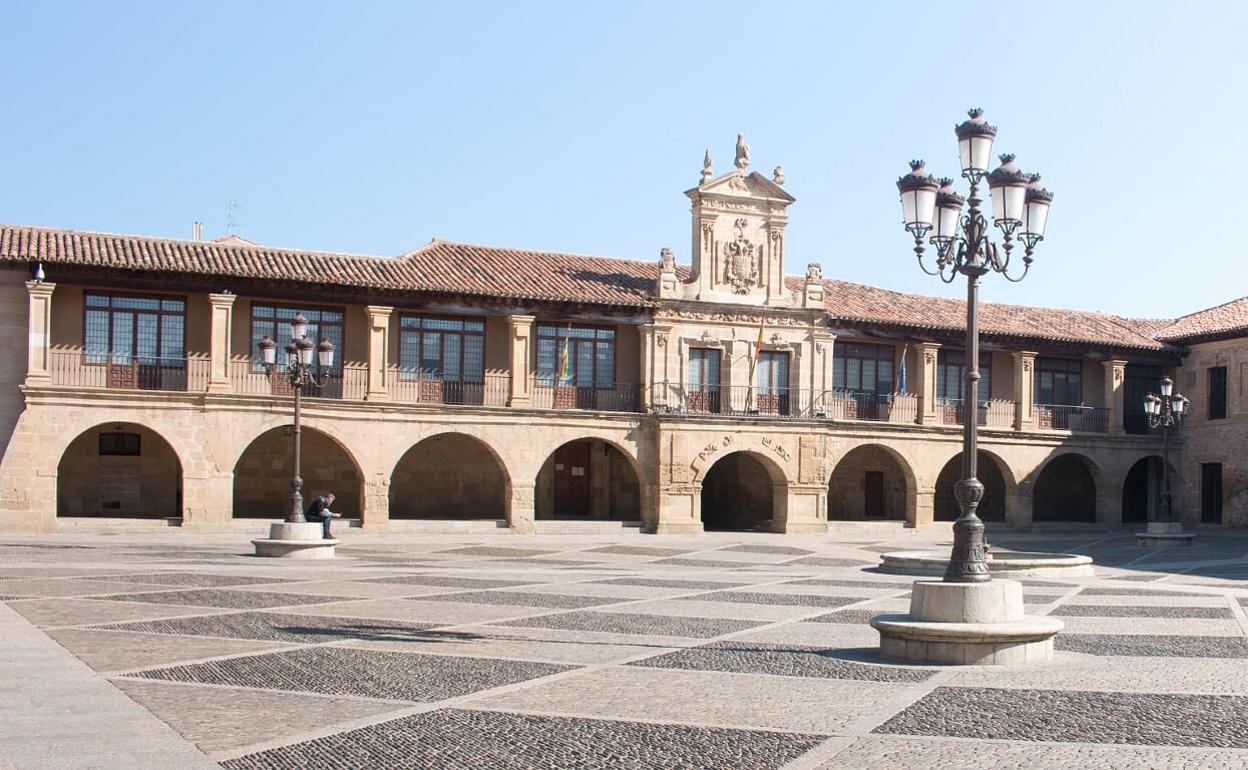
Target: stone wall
{"points": [[262, 475], [14, 307], [991, 508], [1215, 441], [737, 495], [148, 485], [847, 487], [450, 476]]}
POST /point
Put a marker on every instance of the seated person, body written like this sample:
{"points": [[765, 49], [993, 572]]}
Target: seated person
{"points": [[319, 511]]}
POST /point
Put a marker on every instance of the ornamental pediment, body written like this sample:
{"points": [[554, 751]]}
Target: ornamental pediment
{"points": [[737, 185]]}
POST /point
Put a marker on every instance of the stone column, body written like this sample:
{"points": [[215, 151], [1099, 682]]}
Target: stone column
{"points": [[39, 338], [521, 337], [375, 507], [221, 333], [927, 354], [645, 335], [1024, 382], [521, 507], [1115, 376], [378, 351], [924, 507]]}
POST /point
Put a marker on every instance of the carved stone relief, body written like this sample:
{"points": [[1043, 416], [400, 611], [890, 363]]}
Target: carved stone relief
{"points": [[742, 266]]}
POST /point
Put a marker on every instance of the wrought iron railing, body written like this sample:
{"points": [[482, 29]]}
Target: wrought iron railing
{"points": [[249, 378], [1077, 419], [730, 400], [550, 393], [994, 413], [416, 387], [875, 407], [76, 368]]}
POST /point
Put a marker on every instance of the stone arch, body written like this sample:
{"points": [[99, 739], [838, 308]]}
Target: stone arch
{"points": [[1065, 489], [450, 475], [1000, 488], [589, 477], [743, 490], [873, 482], [120, 469], [1141, 489], [264, 467]]}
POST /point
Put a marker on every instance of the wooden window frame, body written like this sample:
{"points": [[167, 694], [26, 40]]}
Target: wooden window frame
{"points": [[1048, 364], [841, 358], [1217, 402], [160, 312], [415, 373], [339, 352], [594, 382]]}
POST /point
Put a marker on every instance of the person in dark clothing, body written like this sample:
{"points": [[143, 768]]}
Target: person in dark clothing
{"points": [[319, 511]]}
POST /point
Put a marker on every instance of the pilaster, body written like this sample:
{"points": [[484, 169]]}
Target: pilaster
{"points": [[927, 355], [1024, 383], [220, 335], [378, 351], [522, 507], [521, 341], [39, 327], [1115, 376]]}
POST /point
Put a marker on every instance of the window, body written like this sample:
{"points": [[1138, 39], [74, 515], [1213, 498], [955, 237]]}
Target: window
{"points": [[704, 366], [863, 368], [1211, 493], [124, 329], [1059, 381], [583, 356], [447, 349], [1217, 392], [123, 444], [951, 375], [274, 321], [772, 375]]}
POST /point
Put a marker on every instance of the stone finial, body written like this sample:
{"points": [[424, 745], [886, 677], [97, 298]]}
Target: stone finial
{"points": [[777, 176], [706, 166], [667, 261], [814, 273], [743, 152]]}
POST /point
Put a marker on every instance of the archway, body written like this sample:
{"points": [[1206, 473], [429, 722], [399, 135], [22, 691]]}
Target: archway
{"points": [[588, 479], [870, 483], [988, 471], [119, 470], [741, 493], [1141, 490], [449, 476], [1065, 491], [262, 474]]}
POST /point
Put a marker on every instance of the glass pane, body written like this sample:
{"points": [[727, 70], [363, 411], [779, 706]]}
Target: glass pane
{"points": [[145, 340], [431, 354], [96, 336], [884, 382], [838, 373], [474, 359], [123, 337], [446, 324], [547, 357], [474, 326], [137, 303], [172, 305], [584, 363], [853, 380], [409, 348], [450, 356], [605, 374], [868, 375], [97, 300]]}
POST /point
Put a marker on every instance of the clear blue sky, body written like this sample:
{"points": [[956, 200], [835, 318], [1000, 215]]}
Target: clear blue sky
{"points": [[372, 127]]}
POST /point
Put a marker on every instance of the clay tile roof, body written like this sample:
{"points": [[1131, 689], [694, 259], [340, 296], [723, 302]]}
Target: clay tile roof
{"points": [[854, 302], [465, 268], [1229, 319]]}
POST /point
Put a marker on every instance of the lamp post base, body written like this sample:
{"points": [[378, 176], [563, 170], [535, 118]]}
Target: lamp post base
{"points": [[1161, 534], [301, 540], [968, 624]]}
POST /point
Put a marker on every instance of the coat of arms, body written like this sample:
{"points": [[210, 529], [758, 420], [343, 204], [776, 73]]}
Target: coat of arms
{"points": [[741, 260]]}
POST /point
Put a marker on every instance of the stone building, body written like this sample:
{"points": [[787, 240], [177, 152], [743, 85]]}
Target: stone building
{"points": [[479, 387]]}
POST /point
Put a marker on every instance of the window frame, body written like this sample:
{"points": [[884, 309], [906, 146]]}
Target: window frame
{"points": [[840, 367], [943, 366], [257, 362], [773, 388], [417, 373], [119, 449], [1217, 402], [160, 312], [703, 359], [559, 330], [1050, 365]]}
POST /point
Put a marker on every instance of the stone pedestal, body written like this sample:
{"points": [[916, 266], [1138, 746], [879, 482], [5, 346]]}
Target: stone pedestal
{"points": [[971, 624], [300, 540], [1164, 533]]}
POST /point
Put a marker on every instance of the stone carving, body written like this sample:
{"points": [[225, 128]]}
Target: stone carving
{"points": [[777, 176], [741, 261], [814, 273], [743, 152], [735, 318], [708, 236], [737, 183], [709, 338], [706, 167], [930, 357], [661, 339], [667, 261]]}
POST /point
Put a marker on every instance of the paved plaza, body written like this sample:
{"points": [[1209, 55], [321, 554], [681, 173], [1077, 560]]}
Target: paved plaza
{"points": [[718, 651]]}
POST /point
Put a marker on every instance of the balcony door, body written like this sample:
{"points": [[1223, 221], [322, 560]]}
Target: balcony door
{"points": [[771, 382], [445, 357], [703, 395]]}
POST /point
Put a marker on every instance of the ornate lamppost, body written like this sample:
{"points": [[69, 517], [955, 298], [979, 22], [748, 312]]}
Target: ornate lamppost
{"points": [[1166, 411], [1020, 208], [300, 375]]}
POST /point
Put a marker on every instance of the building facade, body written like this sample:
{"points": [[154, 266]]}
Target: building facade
{"points": [[493, 387]]}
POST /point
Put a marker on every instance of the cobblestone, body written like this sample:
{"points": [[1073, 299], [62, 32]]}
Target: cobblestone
{"points": [[456, 739], [639, 550], [1066, 715], [828, 561], [211, 597], [794, 600], [445, 581], [631, 623], [1102, 591], [891, 753], [200, 580], [277, 627], [519, 599], [692, 585], [494, 550], [781, 660], [850, 583], [779, 550], [1153, 646], [1138, 611], [703, 563], [856, 617], [364, 673]]}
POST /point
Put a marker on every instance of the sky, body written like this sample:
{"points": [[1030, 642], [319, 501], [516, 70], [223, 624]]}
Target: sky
{"points": [[372, 127]]}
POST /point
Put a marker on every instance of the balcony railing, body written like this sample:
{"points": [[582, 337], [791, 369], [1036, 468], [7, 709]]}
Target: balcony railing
{"points": [[414, 387], [1077, 419], [876, 407], [731, 401], [548, 393], [994, 413], [75, 368], [248, 378]]}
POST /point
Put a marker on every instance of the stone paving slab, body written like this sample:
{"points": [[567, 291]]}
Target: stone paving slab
{"points": [[640, 550], [892, 753], [47, 613], [516, 644], [420, 611], [523, 599], [278, 627], [362, 673], [1063, 715], [69, 588], [782, 660], [773, 550], [1140, 611], [122, 650], [482, 740], [635, 623], [693, 606], [223, 598], [448, 581], [686, 585], [803, 705], [1169, 646], [204, 580], [218, 719], [1187, 627], [773, 599], [1074, 671]]}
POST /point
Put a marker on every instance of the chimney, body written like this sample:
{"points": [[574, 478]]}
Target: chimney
{"points": [[197, 231]]}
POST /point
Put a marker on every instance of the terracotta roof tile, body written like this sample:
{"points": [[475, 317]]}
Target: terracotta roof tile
{"points": [[1230, 319]]}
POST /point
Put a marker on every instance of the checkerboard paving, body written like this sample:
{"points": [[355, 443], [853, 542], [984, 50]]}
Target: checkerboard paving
{"points": [[712, 652]]}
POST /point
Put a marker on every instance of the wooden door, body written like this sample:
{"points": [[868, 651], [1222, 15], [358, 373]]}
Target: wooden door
{"points": [[873, 506], [572, 479], [772, 384]]}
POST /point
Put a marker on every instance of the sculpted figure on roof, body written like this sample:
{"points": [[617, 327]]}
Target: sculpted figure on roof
{"points": [[743, 152]]}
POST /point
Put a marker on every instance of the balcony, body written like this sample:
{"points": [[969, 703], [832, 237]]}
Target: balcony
{"points": [[250, 378], [871, 407], [414, 387], [549, 393], [1076, 419], [732, 401], [994, 413], [77, 369]]}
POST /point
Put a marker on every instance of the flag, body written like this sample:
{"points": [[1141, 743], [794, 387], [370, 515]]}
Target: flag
{"points": [[758, 349], [565, 358], [901, 372]]}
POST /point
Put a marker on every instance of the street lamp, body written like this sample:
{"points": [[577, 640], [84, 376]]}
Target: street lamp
{"points": [[1020, 205], [299, 374], [1165, 411]]}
